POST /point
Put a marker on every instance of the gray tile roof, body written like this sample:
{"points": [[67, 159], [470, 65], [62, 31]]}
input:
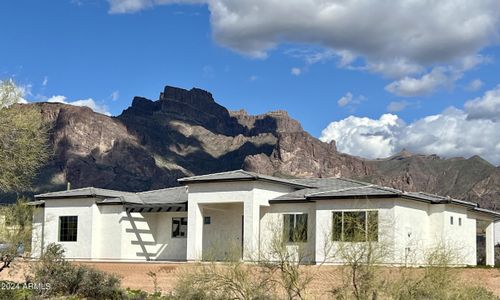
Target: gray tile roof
{"points": [[237, 175], [83, 192], [335, 188], [155, 197]]}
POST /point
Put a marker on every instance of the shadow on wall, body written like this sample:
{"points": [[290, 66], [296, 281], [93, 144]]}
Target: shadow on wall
{"points": [[497, 255]]}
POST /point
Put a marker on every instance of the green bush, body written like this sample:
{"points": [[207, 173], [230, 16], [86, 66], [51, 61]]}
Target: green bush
{"points": [[65, 279]]}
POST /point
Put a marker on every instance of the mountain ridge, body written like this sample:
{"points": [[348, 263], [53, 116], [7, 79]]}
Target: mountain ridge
{"points": [[186, 132]]}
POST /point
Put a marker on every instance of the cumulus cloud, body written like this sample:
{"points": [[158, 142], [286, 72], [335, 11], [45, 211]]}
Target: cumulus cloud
{"points": [[472, 130], [410, 87], [413, 37], [486, 107], [410, 31], [90, 103], [364, 136]]}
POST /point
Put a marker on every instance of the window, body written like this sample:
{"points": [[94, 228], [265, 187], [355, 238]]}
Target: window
{"points": [[179, 227], [207, 220], [355, 226], [295, 228], [68, 228], [451, 220], [459, 221]]}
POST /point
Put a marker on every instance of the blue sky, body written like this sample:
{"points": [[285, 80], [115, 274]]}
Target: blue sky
{"points": [[263, 56]]}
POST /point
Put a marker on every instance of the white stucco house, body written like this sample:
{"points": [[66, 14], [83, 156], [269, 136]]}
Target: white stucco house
{"points": [[211, 215]]}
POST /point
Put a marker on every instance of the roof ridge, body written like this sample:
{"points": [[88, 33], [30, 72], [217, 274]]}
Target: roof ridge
{"points": [[353, 180], [340, 190], [163, 189]]}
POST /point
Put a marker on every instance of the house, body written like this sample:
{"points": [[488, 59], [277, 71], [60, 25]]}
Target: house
{"points": [[216, 215]]}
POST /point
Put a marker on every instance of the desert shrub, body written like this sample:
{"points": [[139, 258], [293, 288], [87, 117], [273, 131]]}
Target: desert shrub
{"points": [[233, 280], [14, 291], [63, 278], [438, 280]]}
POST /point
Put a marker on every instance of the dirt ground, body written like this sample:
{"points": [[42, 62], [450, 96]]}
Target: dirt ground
{"points": [[134, 275]]}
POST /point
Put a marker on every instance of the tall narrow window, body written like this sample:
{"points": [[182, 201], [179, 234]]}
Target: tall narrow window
{"points": [[355, 226], [451, 220], [68, 228], [179, 227], [295, 228], [459, 221]]}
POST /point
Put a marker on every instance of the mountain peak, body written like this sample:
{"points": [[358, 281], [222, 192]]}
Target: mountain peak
{"points": [[183, 95]]}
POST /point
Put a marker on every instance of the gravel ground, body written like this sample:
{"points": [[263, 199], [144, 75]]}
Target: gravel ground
{"points": [[134, 275]]}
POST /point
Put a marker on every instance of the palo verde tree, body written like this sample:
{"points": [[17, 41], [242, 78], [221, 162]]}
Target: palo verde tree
{"points": [[23, 149], [23, 140]]}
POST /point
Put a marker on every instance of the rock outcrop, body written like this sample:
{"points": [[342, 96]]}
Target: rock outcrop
{"points": [[186, 132]]}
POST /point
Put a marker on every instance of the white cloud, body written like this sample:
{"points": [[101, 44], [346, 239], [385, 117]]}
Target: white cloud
{"points": [[475, 85], [253, 78], [90, 103], [454, 132], [365, 137], [410, 87], [131, 6], [13, 93], [486, 107], [413, 37], [345, 100], [411, 30], [115, 95], [350, 101], [296, 71], [45, 81], [396, 106]]}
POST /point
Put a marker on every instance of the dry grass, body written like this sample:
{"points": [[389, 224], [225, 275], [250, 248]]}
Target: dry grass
{"points": [[134, 275]]}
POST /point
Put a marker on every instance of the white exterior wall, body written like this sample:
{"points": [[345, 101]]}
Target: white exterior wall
{"points": [[83, 208], [223, 236], [252, 194], [412, 231], [107, 232], [148, 236], [497, 233], [271, 225], [326, 249], [37, 243]]}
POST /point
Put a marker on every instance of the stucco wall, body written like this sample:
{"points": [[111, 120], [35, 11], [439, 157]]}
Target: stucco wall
{"points": [[328, 251], [107, 232], [83, 208], [37, 242], [223, 236], [271, 230], [148, 236], [497, 233]]}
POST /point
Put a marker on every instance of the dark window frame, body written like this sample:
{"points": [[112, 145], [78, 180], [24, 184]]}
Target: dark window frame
{"points": [[178, 232], [68, 229], [345, 230], [295, 227], [207, 220]]}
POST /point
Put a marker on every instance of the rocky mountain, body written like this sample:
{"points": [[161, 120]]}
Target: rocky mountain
{"points": [[185, 132]]}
